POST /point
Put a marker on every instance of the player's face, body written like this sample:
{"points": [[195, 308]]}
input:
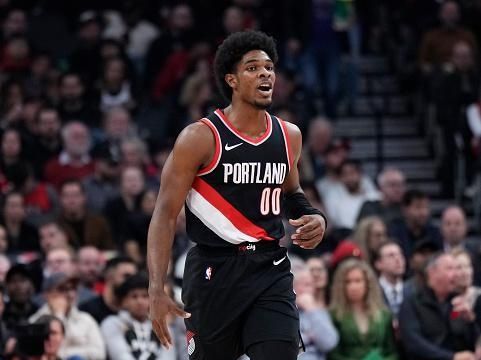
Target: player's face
{"points": [[255, 78]]}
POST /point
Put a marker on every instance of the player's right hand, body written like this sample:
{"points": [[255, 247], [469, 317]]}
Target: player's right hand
{"points": [[161, 305]]}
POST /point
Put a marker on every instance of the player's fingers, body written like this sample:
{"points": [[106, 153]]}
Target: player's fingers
{"points": [[308, 235], [299, 222], [159, 332], [165, 334], [310, 244], [309, 226], [179, 312]]}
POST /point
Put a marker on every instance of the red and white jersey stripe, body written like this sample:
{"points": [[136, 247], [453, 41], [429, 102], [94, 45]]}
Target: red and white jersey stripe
{"points": [[237, 197]]}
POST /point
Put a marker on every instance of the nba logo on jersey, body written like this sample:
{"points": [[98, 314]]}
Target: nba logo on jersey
{"points": [[208, 273], [190, 342]]}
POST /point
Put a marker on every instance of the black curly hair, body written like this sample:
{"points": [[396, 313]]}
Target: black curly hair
{"points": [[231, 51]]}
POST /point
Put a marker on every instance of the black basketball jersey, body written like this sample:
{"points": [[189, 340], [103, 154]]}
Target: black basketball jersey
{"points": [[238, 196]]}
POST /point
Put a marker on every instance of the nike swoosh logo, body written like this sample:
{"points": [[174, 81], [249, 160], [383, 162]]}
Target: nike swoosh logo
{"points": [[229, 148], [279, 261]]}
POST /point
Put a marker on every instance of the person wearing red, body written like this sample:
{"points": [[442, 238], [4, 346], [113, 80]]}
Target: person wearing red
{"points": [[74, 161]]}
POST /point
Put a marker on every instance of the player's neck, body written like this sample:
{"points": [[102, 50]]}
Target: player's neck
{"points": [[247, 119]]}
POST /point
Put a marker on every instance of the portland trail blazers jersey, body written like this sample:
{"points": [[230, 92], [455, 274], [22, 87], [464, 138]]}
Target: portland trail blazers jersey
{"points": [[238, 196]]}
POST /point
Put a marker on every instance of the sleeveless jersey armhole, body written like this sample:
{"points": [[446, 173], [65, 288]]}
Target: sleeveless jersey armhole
{"points": [[287, 142], [218, 149]]}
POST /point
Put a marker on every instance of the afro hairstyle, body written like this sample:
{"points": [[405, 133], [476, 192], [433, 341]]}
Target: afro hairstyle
{"points": [[231, 51]]}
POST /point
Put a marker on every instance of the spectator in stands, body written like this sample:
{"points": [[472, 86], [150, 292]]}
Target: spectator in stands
{"points": [[134, 152], [3, 240], [15, 23], [55, 338], [455, 86], [47, 142], [74, 161], [115, 87], [116, 271], [454, 230], [63, 260], [369, 234], [52, 235], [433, 323], [16, 56], [139, 31], [134, 241], [415, 224], [359, 314], [60, 259], [119, 208], [195, 96], [28, 124], [11, 102], [40, 198], [319, 136], [82, 334], [437, 44], [84, 228], [5, 265], [85, 58], [343, 205], [117, 126], [11, 151], [177, 39], [288, 95], [21, 236], [392, 184], [307, 25], [317, 268], [20, 289], [422, 252], [318, 333], [74, 104], [391, 267], [102, 186], [90, 264], [464, 279], [129, 334], [336, 153], [41, 68], [4, 333], [233, 20]]}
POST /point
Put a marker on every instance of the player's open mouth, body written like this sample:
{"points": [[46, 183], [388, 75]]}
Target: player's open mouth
{"points": [[265, 89]]}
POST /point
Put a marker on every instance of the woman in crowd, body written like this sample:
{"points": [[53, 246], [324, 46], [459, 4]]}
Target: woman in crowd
{"points": [[360, 316], [317, 268], [369, 234], [318, 333]]}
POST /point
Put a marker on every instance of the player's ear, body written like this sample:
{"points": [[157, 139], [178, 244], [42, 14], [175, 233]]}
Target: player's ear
{"points": [[231, 80]]}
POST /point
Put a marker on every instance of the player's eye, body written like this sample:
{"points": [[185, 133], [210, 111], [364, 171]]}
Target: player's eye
{"points": [[251, 68], [270, 68]]}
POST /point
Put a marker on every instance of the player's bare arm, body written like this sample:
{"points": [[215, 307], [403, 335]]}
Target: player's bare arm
{"points": [[310, 227], [192, 150]]}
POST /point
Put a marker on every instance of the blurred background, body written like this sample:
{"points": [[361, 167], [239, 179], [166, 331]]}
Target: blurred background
{"points": [[387, 96]]}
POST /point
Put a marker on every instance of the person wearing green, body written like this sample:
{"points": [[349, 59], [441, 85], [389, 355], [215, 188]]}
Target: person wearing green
{"points": [[362, 320]]}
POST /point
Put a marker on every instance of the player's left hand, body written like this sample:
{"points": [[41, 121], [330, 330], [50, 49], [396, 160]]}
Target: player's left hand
{"points": [[310, 230]]}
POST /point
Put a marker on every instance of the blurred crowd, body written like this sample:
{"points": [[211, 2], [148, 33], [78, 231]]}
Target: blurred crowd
{"points": [[92, 96]]}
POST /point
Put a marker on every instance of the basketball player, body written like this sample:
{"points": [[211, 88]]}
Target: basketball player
{"points": [[236, 170]]}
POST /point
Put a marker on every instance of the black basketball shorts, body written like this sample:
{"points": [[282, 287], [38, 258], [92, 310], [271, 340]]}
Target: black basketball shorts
{"points": [[238, 297]]}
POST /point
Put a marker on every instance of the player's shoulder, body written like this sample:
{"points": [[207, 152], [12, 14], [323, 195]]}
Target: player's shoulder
{"points": [[195, 141], [292, 129], [195, 132]]}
